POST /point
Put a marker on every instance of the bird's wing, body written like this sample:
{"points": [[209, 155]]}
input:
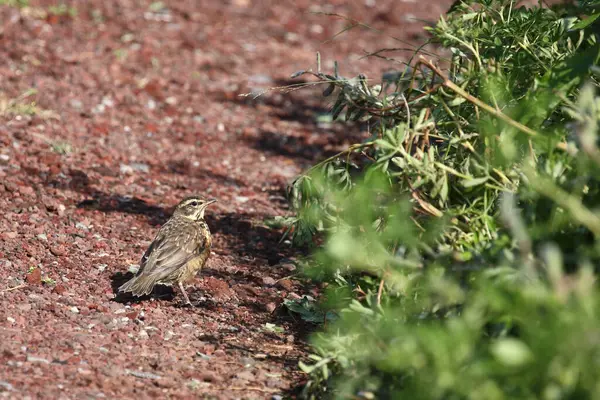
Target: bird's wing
{"points": [[172, 248]]}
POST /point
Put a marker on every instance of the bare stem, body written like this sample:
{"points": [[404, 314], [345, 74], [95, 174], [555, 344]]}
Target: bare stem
{"points": [[474, 100]]}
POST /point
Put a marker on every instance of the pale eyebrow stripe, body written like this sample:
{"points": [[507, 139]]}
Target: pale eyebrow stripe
{"points": [[188, 201]]}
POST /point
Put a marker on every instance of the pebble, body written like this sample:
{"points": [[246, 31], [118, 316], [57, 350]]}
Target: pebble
{"points": [[74, 310], [141, 167], [142, 374], [286, 284], [267, 280], [169, 335], [288, 267], [203, 356], [81, 226], [247, 362], [35, 277], [59, 289], [26, 191], [270, 307], [35, 359], [76, 104]]}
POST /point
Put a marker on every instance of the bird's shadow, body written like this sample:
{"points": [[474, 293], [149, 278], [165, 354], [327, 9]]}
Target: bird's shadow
{"points": [[160, 292]]}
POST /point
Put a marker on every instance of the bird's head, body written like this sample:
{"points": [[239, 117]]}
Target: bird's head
{"points": [[192, 207]]}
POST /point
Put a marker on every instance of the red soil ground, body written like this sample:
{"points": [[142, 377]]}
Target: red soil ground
{"points": [[136, 107]]}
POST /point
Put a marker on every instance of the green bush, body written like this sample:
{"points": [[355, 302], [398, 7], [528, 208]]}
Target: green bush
{"points": [[460, 242]]}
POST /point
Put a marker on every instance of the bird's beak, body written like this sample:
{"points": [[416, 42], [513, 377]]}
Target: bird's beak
{"points": [[211, 201]]}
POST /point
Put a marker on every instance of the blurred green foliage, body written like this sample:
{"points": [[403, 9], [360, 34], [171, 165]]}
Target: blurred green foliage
{"points": [[459, 243]]}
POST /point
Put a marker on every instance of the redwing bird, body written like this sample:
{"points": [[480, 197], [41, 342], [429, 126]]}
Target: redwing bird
{"points": [[179, 250]]}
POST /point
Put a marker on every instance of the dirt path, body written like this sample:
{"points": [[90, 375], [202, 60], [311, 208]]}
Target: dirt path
{"points": [[136, 107]]}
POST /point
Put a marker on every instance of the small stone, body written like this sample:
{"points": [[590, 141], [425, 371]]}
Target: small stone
{"points": [[126, 169], [59, 289], [11, 320], [286, 284], [288, 267], [35, 359], [58, 251], [203, 356], [74, 310], [10, 235], [76, 104], [26, 191], [132, 315], [294, 296], [140, 167], [34, 277], [247, 362], [270, 307], [82, 226], [42, 236], [142, 374], [143, 335], [267, 280]]}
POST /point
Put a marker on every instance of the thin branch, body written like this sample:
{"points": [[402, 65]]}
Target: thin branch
{"points": [[474, 100]]}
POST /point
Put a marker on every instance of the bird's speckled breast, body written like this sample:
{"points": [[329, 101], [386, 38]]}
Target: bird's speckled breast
{"points": [[195, 265]]}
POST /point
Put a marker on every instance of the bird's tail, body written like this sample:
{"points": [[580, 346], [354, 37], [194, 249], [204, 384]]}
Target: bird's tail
{"points": [[138, 285]]}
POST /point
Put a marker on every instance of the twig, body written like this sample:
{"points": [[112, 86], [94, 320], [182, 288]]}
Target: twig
{"points": [[380, 290], [254, 388], [15, 287], [497, 113]]}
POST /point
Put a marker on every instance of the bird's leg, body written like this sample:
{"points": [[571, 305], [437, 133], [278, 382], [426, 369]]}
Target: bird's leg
{"points": [[187, 299]]}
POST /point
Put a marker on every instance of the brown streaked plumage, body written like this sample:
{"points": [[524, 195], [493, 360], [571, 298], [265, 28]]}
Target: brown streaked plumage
{"points": [[177, 253]]}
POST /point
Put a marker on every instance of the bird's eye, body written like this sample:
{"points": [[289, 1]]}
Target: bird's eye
{"points": [[194, 204]]}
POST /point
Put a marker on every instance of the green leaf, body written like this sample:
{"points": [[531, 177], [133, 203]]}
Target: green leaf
{"points": [[586, 22], [474, 182], [511, 352]]}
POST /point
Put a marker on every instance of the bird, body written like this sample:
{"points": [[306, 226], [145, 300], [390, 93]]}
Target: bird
{"points": [[178, 252]]}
